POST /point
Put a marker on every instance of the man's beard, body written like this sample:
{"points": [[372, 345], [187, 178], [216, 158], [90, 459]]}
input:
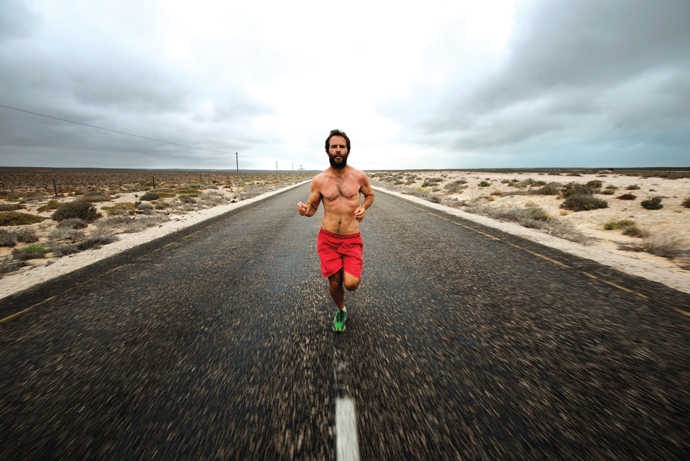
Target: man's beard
{"points": [[337, 166]]}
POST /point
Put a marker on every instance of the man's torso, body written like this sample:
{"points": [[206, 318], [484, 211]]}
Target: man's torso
{"points": [[341, 196]]}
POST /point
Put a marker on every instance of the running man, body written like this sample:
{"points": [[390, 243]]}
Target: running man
{"points": [[339, 243]]}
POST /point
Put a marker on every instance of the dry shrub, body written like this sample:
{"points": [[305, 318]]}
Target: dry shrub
{"points": [[18, 219], [72, 223], [76, 209], [7, 239], [144, 223], [583, 202], [95, 241], [212, 198], [626, 197], [686, 203], [26, 236], [66, 234], [552, 188], [667, 245], [526, 217]]}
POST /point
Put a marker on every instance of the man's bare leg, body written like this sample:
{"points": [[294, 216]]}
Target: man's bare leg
{"points": [[335, 288]]}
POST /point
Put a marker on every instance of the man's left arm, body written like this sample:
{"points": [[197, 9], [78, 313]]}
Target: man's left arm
{"points": [[368, 193]]}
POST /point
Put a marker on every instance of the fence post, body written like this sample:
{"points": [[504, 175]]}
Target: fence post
{"points": [[55, 187]]}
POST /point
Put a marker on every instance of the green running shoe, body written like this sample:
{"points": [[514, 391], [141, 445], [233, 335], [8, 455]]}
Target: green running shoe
{"points": [[339, 321]]}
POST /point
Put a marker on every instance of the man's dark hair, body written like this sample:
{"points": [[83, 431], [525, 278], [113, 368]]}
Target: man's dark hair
{"points": [[338, 133]]}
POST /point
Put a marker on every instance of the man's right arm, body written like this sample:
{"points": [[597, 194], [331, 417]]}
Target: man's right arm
{"points": [[308, 209]]}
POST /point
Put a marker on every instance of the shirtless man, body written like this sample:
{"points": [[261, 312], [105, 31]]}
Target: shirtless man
{"points": [[339, 243]]}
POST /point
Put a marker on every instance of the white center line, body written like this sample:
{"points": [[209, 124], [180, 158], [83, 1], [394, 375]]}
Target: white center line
{"points": [[346, 430]]}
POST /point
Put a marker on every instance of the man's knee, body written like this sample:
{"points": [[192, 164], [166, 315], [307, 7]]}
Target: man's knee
{"points": [[352, 284]]}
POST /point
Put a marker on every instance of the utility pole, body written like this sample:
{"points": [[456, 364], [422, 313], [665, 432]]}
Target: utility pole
{"points": [[237, 162], [276, 168]]}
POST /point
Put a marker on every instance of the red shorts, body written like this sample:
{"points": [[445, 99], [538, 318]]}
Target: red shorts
{"points": [[340, 251]]}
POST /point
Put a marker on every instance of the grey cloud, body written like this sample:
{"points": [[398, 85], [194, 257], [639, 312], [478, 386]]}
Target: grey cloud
{"points": [[590, 73], [16, 21]]}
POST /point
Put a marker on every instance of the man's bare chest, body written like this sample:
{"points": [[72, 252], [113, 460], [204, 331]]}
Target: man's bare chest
{"points": [[338, 188]]}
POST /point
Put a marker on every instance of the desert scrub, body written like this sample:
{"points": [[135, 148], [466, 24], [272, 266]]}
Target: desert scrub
{"points": [[583, 202], [7, 239], [76, 209], [144, 223], [92, 198], [35, 251], [633, 187], [184, 198], [11, 206], [212, 197], [667, 245], [188, 192], [161, 205], [576, 188], [149, 196], [18, 219], [26, 235], [626, 197], [686, 203], [652, 204], [627, 226], [613, 224], [145, 207], [536, 212], [66, 234], [51, 205], [526, 218], [552, 188], [484, 184], [119, 208], [95, 241], [72, 223]]}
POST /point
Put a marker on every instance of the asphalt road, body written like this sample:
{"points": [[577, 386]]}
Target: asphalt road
{"points": [[462, 343]]}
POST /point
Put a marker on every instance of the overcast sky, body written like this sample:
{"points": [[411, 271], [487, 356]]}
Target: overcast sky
{"points": [[432, 84]]}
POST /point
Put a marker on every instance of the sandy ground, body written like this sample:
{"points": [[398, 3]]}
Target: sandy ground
{"points": [[603, 247]]}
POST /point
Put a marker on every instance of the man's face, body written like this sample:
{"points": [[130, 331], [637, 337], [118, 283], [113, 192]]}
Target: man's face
{"points": [[337, 152]]}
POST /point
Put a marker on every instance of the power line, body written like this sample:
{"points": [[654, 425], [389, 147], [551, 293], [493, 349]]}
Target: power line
{"points": [[113, 131]]}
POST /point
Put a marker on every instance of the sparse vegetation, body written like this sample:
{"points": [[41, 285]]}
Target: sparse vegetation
{"points": [[652, 204], [686, 203], [72, 223], [626, 226], [149, 196], [666, 245], [484, 184], [11, 206], [633, 187], [76, 209], [95, 241], [583, 202], [119, 208], [34, 251], [7, 239], [51, 205], [18, 219], [626, 197]]}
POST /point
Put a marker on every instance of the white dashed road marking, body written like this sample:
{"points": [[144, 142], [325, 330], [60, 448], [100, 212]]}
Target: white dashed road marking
{"points": [[346, 430]]}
